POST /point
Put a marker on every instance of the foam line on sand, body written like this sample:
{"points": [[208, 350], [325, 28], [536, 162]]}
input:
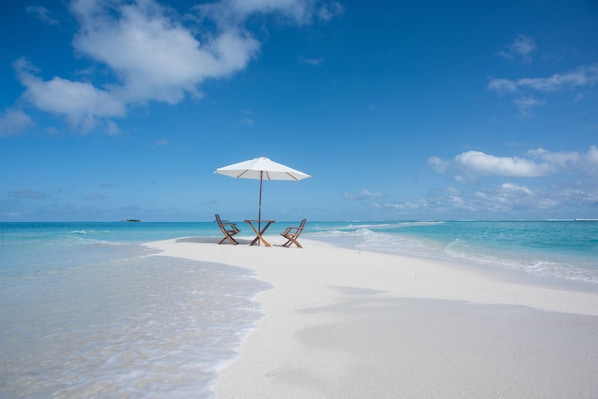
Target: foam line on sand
{"points": [[344, 323]]}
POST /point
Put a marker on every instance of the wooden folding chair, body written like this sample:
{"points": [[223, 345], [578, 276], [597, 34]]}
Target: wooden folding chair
{"points": [[228, 229], [292, 233]]}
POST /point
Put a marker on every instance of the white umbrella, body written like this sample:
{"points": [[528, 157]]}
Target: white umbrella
{"points": [[261, 168]]}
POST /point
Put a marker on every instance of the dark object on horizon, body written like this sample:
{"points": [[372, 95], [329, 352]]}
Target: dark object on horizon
{"points": [[132, 220]]}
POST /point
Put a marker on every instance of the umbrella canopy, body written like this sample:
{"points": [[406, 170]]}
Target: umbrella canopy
{"points": [[261, 168]]}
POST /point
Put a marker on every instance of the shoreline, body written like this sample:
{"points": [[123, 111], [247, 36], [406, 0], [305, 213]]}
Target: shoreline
{"points": [[341, 322]]}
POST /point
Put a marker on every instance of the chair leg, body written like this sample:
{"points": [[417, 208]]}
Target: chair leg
{"points": [[290, 242], [232, 240]]}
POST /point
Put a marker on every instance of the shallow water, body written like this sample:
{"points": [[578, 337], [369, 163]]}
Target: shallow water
{"points": [[561, 249], [106, 320], [88, 311]]}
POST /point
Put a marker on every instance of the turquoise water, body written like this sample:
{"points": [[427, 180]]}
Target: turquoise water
{"points": [[87, 311], [561, 249]]}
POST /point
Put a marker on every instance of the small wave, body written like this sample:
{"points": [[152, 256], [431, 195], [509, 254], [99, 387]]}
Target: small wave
{"points": [[370, 240], [460, 249], [356, 226], [539, 263], [78, 240]]}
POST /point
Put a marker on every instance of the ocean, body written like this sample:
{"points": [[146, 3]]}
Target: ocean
{"points": [[560, 249], [87, 312]]}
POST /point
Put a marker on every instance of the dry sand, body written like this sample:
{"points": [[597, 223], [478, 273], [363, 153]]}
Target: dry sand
{"points": [[343, 323]]}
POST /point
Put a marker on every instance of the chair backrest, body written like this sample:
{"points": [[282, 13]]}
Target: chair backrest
{"points": [[219, 221], [301, 226]]}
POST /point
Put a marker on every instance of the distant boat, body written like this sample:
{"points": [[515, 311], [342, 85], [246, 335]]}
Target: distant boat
{"points": [[132, 220]]}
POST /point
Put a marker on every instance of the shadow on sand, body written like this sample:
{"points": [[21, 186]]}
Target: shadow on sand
{"points": [[211, 240]]}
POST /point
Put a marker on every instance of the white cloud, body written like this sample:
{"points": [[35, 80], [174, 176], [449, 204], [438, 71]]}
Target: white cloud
{"points": [[80, 102], [522, 47], [535, 163], [155, 57], [478, 162], [526, 104], [14, 122], [557, 184], [507, 197], [509, 188], [152, 55], [298, 11], [438, 164], [43, 14], [246, 117], [328, 11], [312, 61], [411, 205], [592, 157], [364, 194], [112, 128], [583, 76], [570, 161]]}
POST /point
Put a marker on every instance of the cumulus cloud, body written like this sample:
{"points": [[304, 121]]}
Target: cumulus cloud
{"points": [[155, 57], [481, 163], [538, 182], [14, 122], [79, 102], [535, 163], [505, 197], [522, 47], [152, 55]]}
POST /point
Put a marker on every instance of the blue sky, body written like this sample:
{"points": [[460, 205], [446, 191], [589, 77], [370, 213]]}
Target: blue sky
{"points": [[113, 109]]}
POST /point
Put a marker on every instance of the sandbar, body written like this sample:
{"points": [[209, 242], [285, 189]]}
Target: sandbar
{"points": [[346, 323]]}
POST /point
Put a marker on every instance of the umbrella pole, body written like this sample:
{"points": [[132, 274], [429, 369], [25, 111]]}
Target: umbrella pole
{"points": [[259, 214]]}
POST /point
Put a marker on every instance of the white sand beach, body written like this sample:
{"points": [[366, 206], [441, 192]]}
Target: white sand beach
{"points": [[343, 323]]}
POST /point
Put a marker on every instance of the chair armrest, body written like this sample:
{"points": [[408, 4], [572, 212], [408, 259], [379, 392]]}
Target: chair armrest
{"points": [[232, 225], [289, 229]]}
